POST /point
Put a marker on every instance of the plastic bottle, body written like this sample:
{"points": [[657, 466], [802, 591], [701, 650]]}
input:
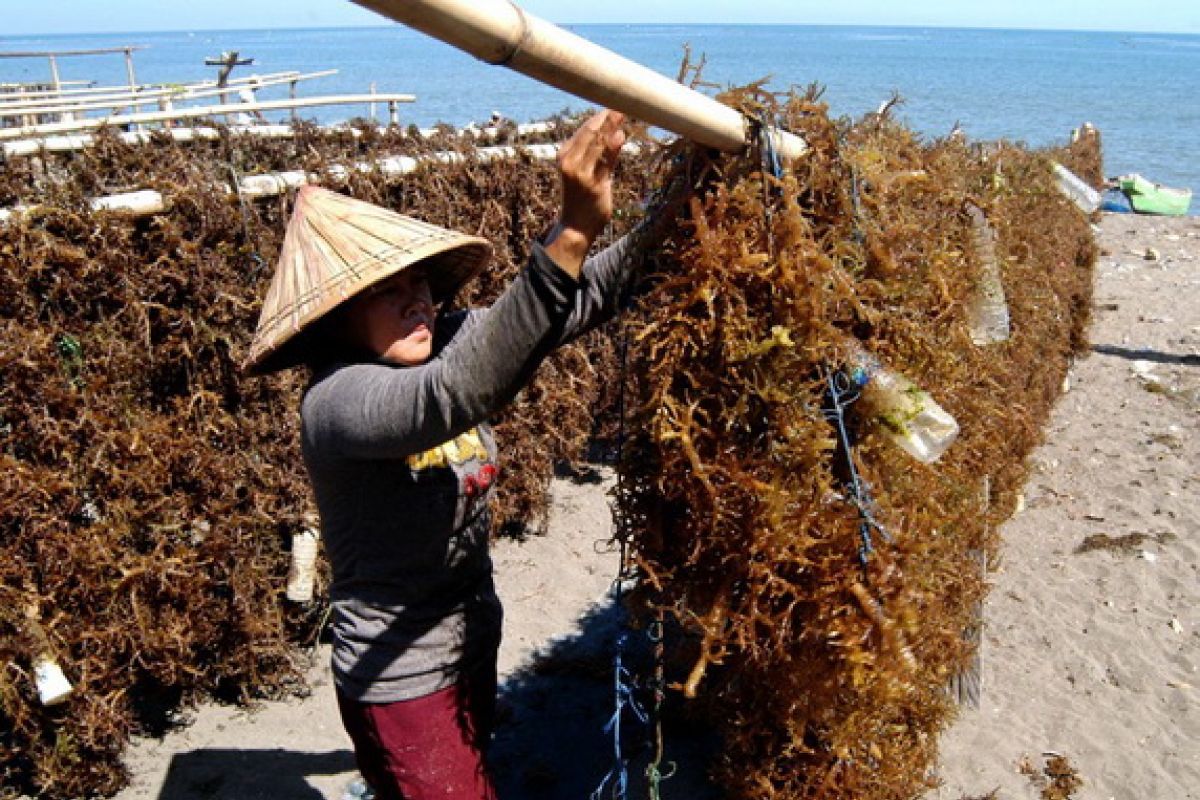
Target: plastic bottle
{"points": [[302, 572], [987, 314], [1083, 196], [904, 412], [358, 789], [52, 685]]}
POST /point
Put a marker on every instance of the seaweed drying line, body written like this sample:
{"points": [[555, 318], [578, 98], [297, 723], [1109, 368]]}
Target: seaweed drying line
{"points": [[625, 683]]}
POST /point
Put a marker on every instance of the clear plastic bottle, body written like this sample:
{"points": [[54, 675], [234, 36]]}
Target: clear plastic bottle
{"points": [[358, 789], [905, 413], [1085, 198], [987, 311]]}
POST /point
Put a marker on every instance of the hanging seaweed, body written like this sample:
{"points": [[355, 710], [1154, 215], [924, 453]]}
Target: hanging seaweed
{"points": [[150, 493], [821, 577]]}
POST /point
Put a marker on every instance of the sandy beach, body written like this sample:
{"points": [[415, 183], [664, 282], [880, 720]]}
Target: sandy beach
{"points": [[1092, 626]]}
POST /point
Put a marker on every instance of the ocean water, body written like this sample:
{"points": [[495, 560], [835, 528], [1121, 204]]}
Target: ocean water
{"points": [[1141, 90]]}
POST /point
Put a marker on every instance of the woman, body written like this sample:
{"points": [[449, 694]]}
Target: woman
{"points": [[402, 460]]}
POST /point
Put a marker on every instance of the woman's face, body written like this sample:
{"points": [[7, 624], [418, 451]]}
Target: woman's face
{"points": [[395, 318]]}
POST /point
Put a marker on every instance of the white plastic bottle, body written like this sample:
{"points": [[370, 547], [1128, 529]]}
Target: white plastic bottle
{"points": [[904, 412], [52, 685], [302, 572]]}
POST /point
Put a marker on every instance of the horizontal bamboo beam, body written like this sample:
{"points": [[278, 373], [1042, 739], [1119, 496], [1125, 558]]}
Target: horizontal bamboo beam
{"points": [[22, 87], [500, 33], [205, 111], [93, 52]]}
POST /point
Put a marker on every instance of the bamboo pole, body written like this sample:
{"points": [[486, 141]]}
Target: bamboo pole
{"points": [[192, 113], [132, 80], [500, 33]]}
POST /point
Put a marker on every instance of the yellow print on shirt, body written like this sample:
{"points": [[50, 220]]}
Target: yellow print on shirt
{"points": [[460, 449]]}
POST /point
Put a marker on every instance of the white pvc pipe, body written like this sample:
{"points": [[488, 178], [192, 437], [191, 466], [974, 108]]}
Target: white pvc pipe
{"points": [[498, 32], [205, 111]]}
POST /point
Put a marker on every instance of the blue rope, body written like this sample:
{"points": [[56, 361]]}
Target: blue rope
{"points": [[843, 390], [771, 160], [623, 693], [616, 780]]}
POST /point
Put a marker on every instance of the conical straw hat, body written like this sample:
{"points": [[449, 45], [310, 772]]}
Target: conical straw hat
{"points": [[334, 248]]}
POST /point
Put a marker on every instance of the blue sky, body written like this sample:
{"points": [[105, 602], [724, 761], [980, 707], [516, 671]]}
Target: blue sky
{"points": [[121, 16]]}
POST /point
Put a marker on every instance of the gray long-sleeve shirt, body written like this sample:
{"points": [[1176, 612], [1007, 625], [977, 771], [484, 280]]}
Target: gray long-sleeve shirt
{"points": [[402, 462]]}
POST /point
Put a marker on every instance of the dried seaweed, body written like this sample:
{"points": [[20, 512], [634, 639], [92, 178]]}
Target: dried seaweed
{"points": [[826, 675], [148, 489]]}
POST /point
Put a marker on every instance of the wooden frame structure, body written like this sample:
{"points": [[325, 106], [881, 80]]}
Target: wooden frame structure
{"points": [[392, 101], [163, 97]]}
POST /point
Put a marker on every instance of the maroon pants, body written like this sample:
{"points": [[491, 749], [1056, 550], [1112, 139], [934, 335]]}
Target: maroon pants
{"points": [[429, 747]]}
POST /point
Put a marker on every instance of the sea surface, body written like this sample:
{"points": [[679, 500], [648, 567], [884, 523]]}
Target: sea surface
{"points": [[1141, 90]]}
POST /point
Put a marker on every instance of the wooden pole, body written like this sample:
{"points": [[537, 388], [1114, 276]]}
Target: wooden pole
{"points": [[54, 75], [500, 33], [132, 80]]}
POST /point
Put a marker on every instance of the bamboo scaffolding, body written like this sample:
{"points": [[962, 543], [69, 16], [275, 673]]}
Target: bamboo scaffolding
{"points": [[148, 201], [206, 111], [142, 91], [500, 33], [54, 55], [162, 95]]}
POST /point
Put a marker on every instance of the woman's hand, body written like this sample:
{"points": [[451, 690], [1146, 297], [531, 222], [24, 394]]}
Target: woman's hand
{"points": [[585, 164]]}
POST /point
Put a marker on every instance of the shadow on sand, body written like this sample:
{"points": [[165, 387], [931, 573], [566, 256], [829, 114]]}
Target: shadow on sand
{"points": [[550, 740], [250, 774], [1153, 356]]}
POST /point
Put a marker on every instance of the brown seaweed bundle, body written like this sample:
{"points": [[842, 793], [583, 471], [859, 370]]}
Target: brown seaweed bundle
{"points": [[823, 591], [148, 488]]}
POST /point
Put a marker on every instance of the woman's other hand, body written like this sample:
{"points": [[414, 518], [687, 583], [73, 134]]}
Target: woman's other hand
{"points": [[585, 164]]}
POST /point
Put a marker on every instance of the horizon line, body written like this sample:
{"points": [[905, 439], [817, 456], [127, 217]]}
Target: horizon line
{"points": [[386, 24]]}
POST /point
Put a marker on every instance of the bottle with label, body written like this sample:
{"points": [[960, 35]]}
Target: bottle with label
{"points": [[904, 412], [302, 571]]}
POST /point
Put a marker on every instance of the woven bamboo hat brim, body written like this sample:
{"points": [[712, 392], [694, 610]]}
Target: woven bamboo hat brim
{"points": [[334, 248]]}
